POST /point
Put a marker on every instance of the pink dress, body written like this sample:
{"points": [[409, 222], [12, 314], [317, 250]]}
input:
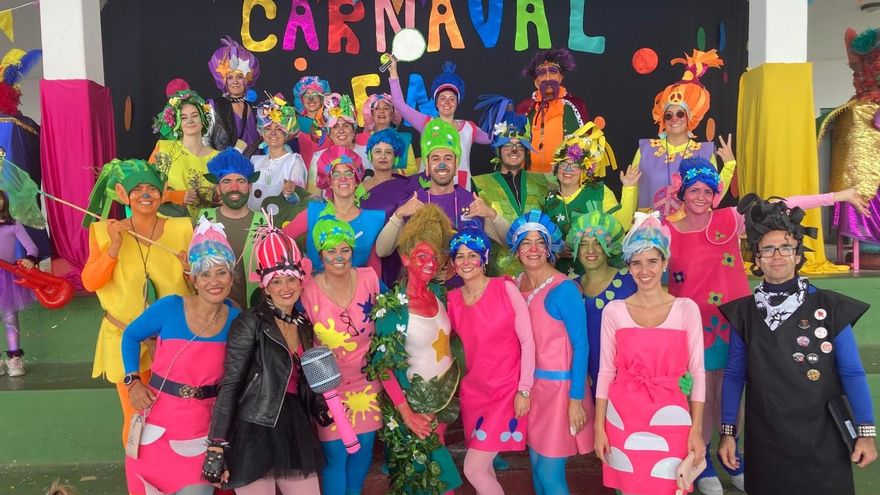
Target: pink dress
{"points": [[347, 332], [549, 433], [493, 353], [648, 417], [706, 266]]}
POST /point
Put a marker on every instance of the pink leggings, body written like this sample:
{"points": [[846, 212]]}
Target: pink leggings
{"points": [[479, 472], [287, 486]]}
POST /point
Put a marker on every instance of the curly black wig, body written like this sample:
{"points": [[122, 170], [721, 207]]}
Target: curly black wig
{"points": [[763, 216]]}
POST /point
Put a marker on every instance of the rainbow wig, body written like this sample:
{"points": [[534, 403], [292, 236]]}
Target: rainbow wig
{"points": [[646, 233]]}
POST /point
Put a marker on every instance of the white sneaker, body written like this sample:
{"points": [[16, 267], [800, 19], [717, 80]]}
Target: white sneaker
{"points": [[16, 366], [2, 367], [739, 481], [710, 486]]}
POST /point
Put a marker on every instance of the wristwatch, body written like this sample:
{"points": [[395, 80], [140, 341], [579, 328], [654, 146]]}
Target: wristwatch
{"points": [[130, 378], [524, 394]]}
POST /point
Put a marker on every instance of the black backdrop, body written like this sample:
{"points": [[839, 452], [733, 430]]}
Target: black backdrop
{"points": [[147, 43]]}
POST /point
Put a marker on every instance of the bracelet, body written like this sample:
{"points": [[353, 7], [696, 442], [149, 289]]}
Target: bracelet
{"points": [[866, 431], [728, 429]]}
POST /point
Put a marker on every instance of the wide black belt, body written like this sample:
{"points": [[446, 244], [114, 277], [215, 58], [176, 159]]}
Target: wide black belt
{"points": [[183, 390]]}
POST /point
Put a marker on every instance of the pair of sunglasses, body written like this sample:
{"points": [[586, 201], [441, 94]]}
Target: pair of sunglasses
{"points": [[679, 115]]}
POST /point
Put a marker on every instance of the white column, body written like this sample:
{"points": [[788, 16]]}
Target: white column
{"points": [[71, 33], [777, 31]]}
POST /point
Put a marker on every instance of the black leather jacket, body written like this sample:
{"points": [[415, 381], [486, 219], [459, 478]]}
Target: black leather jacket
{"points": [[256, 373]]}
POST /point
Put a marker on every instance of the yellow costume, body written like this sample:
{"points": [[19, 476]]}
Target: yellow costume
{"points": [[119, 284], [777, 144], [185, 172]]}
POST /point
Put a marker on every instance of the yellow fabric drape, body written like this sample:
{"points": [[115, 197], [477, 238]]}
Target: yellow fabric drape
{"points": [[776, 148]]}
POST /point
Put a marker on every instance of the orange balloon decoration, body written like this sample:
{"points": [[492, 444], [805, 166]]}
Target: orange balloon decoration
{"points": [[644, 60], [710, 129], [599, 121], [300, 64]]}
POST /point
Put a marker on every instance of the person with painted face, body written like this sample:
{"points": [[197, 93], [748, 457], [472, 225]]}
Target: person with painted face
{"points": [[235, 70], [442, 150], [308, 99], [281, 169], [411, 355], [182, 154], [341, 123], [561, 412], [794, 345], [379, 114], [651, 361], [386, 189], [128, 274], [511, 190], [678, 110], [262, 438], [187, 367], [340, 175], [595, 238], [447, 90], [234, 175], [707, 266], [338, 303], [492, 320], [552, 111], [579, 169]]}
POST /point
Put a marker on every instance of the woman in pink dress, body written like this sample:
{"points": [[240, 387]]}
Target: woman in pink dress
{"points": [[560, 417], [175, 405], [492, 320], [651, 359], [338, 302]]}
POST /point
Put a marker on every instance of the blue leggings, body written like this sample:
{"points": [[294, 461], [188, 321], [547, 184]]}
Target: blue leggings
{"points": [[344, 473], [548, 474]]}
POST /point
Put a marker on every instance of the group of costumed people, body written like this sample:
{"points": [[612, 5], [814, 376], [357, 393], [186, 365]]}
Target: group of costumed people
{"points": [[258, 233]]}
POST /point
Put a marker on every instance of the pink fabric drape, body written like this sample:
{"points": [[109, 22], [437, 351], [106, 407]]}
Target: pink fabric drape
{"points": [[77, 139]]}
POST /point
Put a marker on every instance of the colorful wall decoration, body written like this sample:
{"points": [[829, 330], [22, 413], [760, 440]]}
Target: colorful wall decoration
{"points": [[622, 50]]}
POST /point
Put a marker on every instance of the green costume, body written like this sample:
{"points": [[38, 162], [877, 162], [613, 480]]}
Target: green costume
{"points": [[257, 221], [495, 191], [417, 466]]}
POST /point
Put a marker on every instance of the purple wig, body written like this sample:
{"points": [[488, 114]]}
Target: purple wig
{"points": [[233, 57], [559, 56]]}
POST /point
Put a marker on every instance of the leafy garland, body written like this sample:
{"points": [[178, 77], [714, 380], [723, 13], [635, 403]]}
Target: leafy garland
{"points": [[409, 457]]}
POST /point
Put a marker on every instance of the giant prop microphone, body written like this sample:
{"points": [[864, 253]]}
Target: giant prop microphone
{"points": [[323, 376]]}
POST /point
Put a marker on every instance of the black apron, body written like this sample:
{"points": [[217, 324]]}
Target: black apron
{"points": [[791, 444]]}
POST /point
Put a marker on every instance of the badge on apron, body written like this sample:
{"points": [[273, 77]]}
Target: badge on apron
{"points": [[798, 357], [804, 324], [820, 314], [803, 341], [826, 347], [821, 332], [814, 375], [812, 358]]}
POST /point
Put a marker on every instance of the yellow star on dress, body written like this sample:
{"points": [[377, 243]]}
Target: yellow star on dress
{"points": [[441, 345]]}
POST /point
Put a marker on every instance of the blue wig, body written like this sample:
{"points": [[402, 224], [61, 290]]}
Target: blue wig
{"points": [[448, 79], [501, 122], [535, 220], [208, 254], [646, 233], [387, 136], [693, 170], [474, 239], [230, 161]]}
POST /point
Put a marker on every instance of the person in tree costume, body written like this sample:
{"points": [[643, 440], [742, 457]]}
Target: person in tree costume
{"points": [[411, 356]]}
